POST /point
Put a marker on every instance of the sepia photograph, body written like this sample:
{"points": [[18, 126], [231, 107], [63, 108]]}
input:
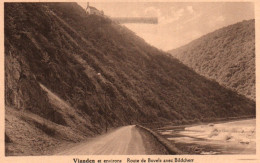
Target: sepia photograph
{"points": [[129, 78]]}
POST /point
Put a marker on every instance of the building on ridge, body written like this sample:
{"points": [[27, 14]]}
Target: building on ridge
{"points": [[93, 10]]}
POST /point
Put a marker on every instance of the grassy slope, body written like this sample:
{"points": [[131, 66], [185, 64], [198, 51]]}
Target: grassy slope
{"points": [[53, 54], [226, 55]]}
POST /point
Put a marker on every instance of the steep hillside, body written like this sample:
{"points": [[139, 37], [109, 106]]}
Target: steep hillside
{"points": [[68, 74], [226, 55]]}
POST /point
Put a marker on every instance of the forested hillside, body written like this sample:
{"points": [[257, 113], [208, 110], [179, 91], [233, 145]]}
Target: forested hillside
{"points": [[226, 56]]}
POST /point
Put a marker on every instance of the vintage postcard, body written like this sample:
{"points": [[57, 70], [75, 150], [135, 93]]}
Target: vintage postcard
{"points": [[129, 81]]}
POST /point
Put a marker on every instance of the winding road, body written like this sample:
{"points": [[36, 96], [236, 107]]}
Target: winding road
{"points": [[123, 141]]}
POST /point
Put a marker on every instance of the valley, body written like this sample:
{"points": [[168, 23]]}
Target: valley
{"points": [[71, 76]]}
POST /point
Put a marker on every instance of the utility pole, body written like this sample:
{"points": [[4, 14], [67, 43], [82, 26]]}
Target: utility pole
{"points": [[105, 110]]}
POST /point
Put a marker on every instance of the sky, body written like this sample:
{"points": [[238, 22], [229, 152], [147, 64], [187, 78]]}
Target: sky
{"points": [[178, 22]]}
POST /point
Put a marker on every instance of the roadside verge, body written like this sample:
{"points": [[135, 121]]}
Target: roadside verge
{"points": [[166, 143]]}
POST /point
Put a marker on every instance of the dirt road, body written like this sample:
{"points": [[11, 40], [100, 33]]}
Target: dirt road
{"points": [[123, 141]]}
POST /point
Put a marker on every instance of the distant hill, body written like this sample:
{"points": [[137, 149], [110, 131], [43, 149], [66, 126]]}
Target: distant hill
{"points": [[226, 55], [68, 74]]}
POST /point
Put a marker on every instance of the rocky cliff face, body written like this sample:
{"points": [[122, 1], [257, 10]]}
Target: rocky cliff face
{"points": [[68, 74]]}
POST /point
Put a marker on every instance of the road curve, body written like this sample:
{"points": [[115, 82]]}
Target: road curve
{"points": [[123, 141]]}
